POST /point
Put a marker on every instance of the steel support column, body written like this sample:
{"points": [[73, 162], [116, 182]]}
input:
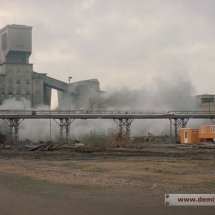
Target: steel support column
{"points": [[170, 120], [120, 133], [128, 127], [182, 123], [64, 129], [14, 130], [124, 128]]}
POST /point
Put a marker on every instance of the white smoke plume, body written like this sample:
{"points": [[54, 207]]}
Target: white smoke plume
{"points": [[13, 104], [174, 93], [167, 94], [34, 130]]}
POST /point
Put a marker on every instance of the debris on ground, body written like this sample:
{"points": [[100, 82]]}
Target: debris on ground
{"points": [[49, 146]]}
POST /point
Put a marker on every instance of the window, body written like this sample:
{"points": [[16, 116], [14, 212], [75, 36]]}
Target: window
{"points": [[185, 134], [193, 131], [4, 41], [27, 93], [27, 82], [37, 93], [10, 92], [202, 129], [207, 100], [213, 129], [18, 81], [18, 71]]}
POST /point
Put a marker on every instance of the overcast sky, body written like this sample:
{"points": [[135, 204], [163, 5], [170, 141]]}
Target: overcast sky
{"points": [[120, 42]]}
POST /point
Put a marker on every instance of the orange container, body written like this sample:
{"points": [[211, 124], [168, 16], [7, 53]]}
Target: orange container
{"points": [[207, 132], [190, 135]]}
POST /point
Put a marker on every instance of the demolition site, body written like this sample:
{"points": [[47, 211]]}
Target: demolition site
{"points": [[109, 172], [18, 81]]}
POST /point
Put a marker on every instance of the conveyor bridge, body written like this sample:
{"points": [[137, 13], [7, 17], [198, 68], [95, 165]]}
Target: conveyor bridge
{"points": [[123, 118]]}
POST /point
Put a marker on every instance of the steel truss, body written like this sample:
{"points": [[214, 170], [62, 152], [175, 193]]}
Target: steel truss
{"points": [[179, 123], [213, 121], [64, 129], [124, 128], [14, 129]]}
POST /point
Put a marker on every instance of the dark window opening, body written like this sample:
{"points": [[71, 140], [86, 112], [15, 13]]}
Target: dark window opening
{"points": [[207, 100], [185, 134]]}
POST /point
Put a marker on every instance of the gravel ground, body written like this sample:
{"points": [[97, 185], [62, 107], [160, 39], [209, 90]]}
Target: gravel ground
{"points": [[120, 181]]}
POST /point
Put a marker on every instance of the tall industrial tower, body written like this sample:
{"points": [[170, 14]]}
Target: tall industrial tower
{"points": [[18, 80], [15, 69]]}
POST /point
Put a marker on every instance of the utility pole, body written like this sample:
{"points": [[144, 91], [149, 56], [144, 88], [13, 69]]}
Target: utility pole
{"points": [[170, 120], [69, 122], [50, 130]]}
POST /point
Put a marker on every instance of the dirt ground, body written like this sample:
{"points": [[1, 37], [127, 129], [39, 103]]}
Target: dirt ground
{"points": [[109, 182]]}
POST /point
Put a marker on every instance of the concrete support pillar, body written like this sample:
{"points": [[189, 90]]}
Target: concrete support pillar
{"points": [[63, 100], [47, 95]]}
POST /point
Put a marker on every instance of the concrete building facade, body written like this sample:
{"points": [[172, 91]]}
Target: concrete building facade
{"points": [[18, 80], [207, 102], [15, 69]]}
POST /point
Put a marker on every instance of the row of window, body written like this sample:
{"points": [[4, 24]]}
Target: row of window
{"points": [[10, 93], [10, 81], [20, 72], [203, 129]]}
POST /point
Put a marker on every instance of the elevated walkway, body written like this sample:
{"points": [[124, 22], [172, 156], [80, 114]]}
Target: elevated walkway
{"points": [[123, 118]]}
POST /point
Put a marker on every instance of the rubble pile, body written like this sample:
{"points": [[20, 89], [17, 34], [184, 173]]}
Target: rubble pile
{"points": [[49, 146]]}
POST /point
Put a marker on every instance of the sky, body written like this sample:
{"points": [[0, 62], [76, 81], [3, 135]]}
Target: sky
{"points": [[141, 48], [122, 43]]}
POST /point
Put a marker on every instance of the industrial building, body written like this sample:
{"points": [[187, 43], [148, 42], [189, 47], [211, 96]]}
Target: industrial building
{"points": [[18, 80], [207, 102]]}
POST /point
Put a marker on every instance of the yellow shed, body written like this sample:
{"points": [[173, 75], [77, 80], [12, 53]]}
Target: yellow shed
{"points": [[190, 135]]}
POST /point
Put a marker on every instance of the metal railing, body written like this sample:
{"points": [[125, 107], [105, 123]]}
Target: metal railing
{"points": [[104, 112], [27, 112]]}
